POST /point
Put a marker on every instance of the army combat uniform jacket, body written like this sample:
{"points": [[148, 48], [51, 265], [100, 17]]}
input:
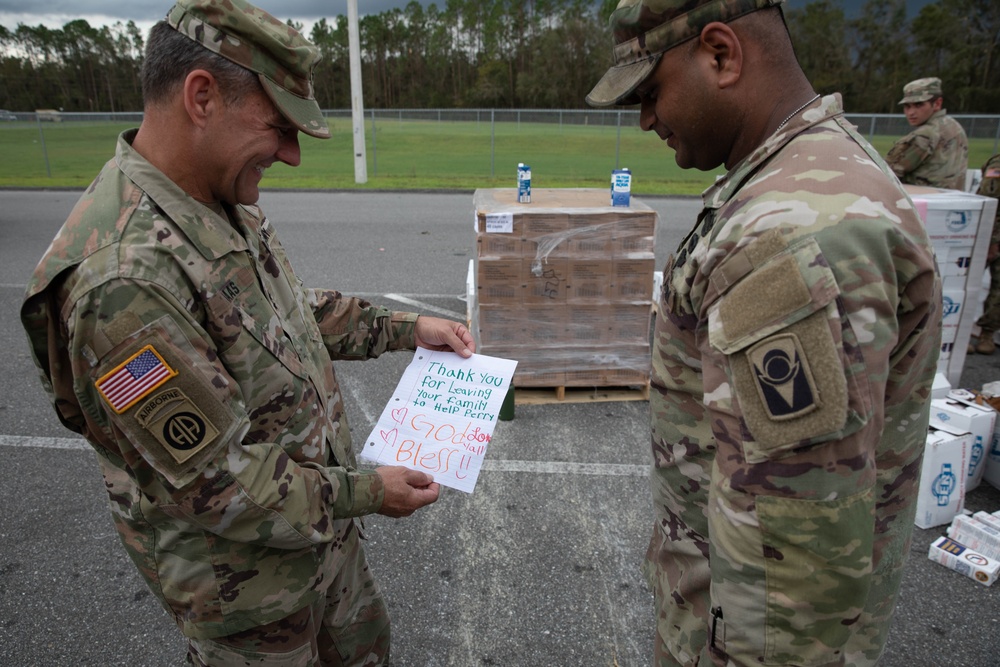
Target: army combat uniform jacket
{"points": [[990, 187], [792, 368], [181, 345], [935, 154]]}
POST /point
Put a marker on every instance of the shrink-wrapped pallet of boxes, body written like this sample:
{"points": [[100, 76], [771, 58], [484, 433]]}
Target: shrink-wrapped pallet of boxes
{"points": [[959, 226], [564, 285]]}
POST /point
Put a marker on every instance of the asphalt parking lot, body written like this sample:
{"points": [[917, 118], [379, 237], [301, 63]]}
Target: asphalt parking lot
{"points": [[539, 566]]}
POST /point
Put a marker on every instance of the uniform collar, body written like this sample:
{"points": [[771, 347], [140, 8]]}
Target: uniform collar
{"points": [[819, 111], [211, 234]]}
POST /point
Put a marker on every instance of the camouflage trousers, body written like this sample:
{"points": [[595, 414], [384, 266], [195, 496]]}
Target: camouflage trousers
{"points": [[349, 627], [990, 319], [692, 584]]}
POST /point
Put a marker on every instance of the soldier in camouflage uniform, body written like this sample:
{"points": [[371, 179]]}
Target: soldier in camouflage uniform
{"points": [[172, 333], [989, 322], [794, 355], [936, 153]]}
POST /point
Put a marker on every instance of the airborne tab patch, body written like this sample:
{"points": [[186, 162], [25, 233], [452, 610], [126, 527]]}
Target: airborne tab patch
{"points": [[133, 379], [782, 377], [174, 420]]}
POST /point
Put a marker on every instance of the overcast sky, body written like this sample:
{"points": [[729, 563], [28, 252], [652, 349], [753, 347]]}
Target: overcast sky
{"points": [[56, 13]]}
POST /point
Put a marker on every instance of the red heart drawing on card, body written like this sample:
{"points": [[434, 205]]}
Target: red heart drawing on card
{"points": [[389, 436], [398, 415]]}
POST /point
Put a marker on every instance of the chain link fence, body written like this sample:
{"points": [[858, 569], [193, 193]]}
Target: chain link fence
{"points": [[878, 128], [979, 126]]}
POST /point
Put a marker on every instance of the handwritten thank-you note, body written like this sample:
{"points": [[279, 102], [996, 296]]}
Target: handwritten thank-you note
{"points": [[442, 415]]}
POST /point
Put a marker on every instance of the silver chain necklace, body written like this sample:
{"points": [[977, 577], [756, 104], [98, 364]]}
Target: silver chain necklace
{"points": [[797, 110]]}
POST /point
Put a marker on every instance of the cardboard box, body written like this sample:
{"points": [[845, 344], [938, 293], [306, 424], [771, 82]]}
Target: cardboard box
{"points": [[500, 282], [590, 325], [954, 260], [545, 281], [991, 473], [951, 217], [630, 323], [989, 519], [976, 535], [941, 494], [954, 283], [632, 279], [633, 236], [941, 386], [498, 324], [978, 420], [964, 560], [547, 227], [542, 325], [952, 302], [499, 246], [588, 280], [588, 239]]}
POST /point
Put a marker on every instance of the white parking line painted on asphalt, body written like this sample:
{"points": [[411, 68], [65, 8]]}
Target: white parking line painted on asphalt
{"points": [[534, 467], [45, 443], [426, 306], [567, 468]]}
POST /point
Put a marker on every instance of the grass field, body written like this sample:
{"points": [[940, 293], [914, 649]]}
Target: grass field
{"points": [[407, 155]]}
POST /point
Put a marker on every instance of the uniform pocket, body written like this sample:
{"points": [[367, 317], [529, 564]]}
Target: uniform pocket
{"points": [[818, 563], [248, 332], [209, 652]]}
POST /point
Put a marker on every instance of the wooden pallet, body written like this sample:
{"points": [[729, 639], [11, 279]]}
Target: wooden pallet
{"points": [[548, 395]]}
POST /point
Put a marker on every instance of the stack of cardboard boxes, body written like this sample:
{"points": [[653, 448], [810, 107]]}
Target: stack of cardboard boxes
{"points": [[961, 442], [962, 434], [959, 225], [564, 286], [959, 439]]}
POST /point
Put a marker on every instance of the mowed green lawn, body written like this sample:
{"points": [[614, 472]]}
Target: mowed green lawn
{"points": [[404, 155]]}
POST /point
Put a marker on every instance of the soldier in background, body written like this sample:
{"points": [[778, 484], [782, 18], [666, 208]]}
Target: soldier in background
{"points": [[989, 322], [794, 355], [172, 333], [936, 153]]}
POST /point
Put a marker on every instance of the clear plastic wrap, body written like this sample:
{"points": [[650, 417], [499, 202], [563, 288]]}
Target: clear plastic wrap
{"points": [[564, 284]]}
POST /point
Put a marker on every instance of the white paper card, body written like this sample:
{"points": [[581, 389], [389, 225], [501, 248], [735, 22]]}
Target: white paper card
{"points": [[442, 415], [499, 223]]}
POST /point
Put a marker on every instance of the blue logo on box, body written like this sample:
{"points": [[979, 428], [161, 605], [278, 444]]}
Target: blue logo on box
{"points": [[950, 306], [957, 221], [944, 484], [977, 455]]}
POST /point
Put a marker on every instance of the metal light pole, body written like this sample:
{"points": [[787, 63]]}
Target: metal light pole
{"points": [[357, 100]]}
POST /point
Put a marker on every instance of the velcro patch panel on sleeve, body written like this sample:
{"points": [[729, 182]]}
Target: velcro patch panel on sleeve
{"points": [[181, 424]]}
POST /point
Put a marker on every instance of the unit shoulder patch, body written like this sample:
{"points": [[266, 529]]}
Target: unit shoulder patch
{"points": [[782, 377], [177, 423]]}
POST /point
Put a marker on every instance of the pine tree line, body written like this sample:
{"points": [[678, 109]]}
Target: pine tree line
{"points": [[535, 54]]}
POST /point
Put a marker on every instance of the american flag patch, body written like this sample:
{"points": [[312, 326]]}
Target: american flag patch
{"points": [[134, 378]]}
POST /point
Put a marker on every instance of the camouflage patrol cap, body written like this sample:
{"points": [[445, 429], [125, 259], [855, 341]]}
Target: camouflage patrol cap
{"points": [[645, 29], [921, 90], [281, 57]]}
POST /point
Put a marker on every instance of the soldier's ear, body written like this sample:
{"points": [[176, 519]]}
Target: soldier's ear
{"points": [[201, 96], [722, 49]]}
